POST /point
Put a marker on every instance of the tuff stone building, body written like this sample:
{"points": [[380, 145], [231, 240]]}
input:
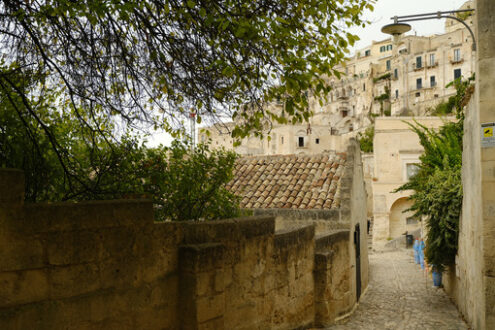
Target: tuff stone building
{"points": [[395, 155], [406, 77]]}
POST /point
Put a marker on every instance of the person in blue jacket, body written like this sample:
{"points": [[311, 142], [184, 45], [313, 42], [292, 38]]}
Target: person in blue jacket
{"points": [[422, 253], [416, 250]]}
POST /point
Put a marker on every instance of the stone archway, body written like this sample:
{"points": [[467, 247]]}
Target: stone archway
{"points": [[400, 222]]}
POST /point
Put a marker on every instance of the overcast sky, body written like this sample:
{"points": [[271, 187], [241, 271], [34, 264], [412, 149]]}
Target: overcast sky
{"points": [[384, 9]]}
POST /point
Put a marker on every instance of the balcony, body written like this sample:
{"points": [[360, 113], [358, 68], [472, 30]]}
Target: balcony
{"points": [[456, 61], [417, 68], [432, 65]]}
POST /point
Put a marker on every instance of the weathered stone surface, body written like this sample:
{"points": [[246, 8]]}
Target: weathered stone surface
{"points": [[95, 265]]}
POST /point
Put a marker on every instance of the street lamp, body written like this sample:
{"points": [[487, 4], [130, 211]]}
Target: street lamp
{"points": [[399, 26]]}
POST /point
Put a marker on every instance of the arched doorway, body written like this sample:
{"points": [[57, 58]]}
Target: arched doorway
{"points": [[400, 222]]}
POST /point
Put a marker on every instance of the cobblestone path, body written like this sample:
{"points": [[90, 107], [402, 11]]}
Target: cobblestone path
{"points": [[398, 298]]}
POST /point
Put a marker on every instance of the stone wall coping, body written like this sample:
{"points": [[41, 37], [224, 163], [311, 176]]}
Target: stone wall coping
{"points": [[201, 257], [69, 216], [228, 229], [301, 214], [87, 203], [285, 238], [322, 242]]}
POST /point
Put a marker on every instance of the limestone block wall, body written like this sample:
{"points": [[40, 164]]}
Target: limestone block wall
{"points": [[108, 265], [85, 265], [353, 205], [292, 282], [472, 282], [333, 294], [324, 221], [351, 214]]}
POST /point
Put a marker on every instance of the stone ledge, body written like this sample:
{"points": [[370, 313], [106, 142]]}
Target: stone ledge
{"points": [[66, 216], [230, 229], [197, 258], [323, 242], [295, 214], [294, 237]]}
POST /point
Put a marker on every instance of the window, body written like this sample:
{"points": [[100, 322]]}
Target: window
{"points": [[389, 47], [411, 170], [457, 55], [344, 113], [351, 128], [411, 221], [457, 73], [367, 52], [317, 141], [396, 93], [281, 140], [432, 59], [419, 83], [382, 49], [300, 142], [396, 73], [433, 82], [388, 65], [419, 63], [418, 94], [364, 87]]}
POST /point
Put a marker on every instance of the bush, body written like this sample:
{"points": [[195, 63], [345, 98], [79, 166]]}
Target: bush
{"points": [[189, 183], [366, 139], [437, 186]]}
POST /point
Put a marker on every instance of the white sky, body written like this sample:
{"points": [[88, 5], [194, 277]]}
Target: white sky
{"points": [[384, 10]]}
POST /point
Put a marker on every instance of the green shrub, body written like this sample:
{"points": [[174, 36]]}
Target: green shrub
{"points": [[366, 139]]}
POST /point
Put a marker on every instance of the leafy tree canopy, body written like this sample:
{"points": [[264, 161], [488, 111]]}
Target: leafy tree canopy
{"points": [[157, 60], [189, 184]]}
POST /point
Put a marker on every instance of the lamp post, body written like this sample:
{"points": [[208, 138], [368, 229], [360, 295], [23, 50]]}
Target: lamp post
{"points": [[399, 26]]}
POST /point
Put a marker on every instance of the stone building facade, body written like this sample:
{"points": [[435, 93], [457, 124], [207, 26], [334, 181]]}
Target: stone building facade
{"points": [[402, 78], [396, 151]]}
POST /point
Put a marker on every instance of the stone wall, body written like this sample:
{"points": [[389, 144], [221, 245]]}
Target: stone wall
{"points": [[107, 265], [351, 214], [472, 282], [334, 296], [325, 221], [396, 147], [84, 265]]}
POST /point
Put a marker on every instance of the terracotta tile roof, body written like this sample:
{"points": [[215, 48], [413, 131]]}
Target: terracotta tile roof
{"points": [[289, 181]]}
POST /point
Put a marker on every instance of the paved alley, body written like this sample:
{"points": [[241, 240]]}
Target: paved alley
{"points": [[398, 298]]}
